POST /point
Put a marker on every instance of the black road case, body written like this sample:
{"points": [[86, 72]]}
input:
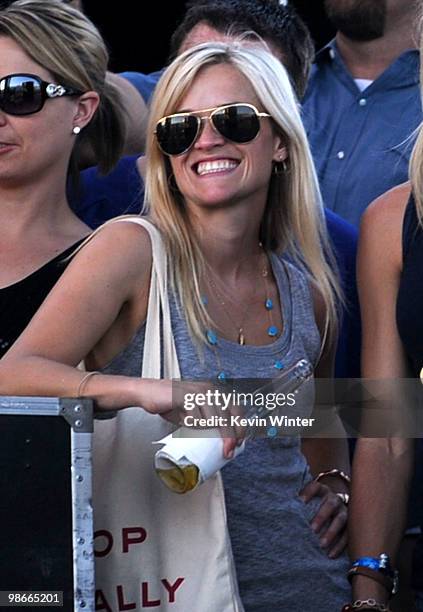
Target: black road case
{"points": [[46, 526]]}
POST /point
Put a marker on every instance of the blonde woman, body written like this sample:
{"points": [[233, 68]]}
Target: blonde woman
{"points": [[232, 189], [391, 300], [53, 102]]}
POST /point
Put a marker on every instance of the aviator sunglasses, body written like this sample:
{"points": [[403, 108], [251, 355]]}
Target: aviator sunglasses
{"points": [[239, 123], [25, 94]]}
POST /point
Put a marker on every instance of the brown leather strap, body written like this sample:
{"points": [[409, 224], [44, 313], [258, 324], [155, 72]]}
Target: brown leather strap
{"points": [[382, 579]]}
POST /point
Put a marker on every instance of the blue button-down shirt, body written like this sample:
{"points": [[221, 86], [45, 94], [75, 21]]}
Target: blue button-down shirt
{"points": [[361, 141]]}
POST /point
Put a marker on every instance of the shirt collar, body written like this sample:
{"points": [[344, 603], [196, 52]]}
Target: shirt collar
{"points": [[405, 68], [327, 52]]}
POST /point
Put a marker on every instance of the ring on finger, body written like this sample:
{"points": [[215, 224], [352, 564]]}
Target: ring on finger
{"points": [[344, 497]]}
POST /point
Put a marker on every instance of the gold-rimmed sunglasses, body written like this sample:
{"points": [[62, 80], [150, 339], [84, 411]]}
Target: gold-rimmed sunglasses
{"points": [[239, 123]]}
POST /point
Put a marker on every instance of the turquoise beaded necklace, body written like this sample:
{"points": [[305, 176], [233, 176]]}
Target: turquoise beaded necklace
{"points": [[272, 330]]}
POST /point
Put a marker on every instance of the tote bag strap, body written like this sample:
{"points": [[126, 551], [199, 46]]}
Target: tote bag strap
{"points": [[203, 514], [158, 304]]}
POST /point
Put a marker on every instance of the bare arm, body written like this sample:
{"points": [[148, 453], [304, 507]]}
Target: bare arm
{"points": [[94, 309], [382, 467], [328, 453], [324, 454]]}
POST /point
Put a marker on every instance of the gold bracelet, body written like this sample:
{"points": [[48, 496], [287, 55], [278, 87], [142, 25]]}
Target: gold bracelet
{"points": [[335, 472], [366, 604], [84, 381]]}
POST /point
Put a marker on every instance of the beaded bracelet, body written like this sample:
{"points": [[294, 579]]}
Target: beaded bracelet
{"points": [[382, 563], [366, 604]]}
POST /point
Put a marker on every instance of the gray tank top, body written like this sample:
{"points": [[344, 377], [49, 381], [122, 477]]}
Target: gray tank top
{"points": [[267, 521], [300, 338]]}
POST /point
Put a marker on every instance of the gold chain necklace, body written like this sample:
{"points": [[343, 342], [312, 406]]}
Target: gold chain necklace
{"points": [[240, 327], [272, 330]]}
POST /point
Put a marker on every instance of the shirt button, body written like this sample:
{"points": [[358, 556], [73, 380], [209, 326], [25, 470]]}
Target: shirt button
{"points": [[362, 101], [340, 155]]}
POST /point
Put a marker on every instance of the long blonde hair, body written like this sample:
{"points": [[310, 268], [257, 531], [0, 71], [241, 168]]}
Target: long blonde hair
{"points": [[416, 159], [293, 220]]}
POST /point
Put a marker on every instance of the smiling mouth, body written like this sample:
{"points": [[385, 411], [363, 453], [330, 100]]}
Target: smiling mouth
{"points": [[215, 166]]}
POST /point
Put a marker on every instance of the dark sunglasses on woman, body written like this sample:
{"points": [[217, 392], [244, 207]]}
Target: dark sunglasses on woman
{"points": [[25, 94], [238, 123]]}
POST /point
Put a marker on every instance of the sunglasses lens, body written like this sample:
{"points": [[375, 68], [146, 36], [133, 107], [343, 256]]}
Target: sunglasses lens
{"points": [[238, 123], [20, 95], [175, 134]]}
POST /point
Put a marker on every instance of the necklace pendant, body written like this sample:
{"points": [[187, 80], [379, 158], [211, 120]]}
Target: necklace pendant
{"points": [[241, 338], [211, 337], [272, 331]]}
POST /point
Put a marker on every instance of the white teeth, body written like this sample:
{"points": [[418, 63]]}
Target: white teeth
{"points": [[218, 165]]}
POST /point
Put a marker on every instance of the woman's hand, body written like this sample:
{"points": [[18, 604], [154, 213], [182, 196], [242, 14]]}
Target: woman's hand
{"points": [[331, 518], [175, 400], [156, 397]]}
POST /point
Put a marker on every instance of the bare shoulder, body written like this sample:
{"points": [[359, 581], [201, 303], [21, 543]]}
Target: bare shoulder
{"points": [[387, 211], [381, 225], [119, 241]]}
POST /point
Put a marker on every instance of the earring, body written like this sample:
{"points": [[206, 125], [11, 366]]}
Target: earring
{"points": [[76, 130], [280, 167], [172, 183]]}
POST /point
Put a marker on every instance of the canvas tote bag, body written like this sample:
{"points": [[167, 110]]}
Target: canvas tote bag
{"points": [[156, 549]]}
